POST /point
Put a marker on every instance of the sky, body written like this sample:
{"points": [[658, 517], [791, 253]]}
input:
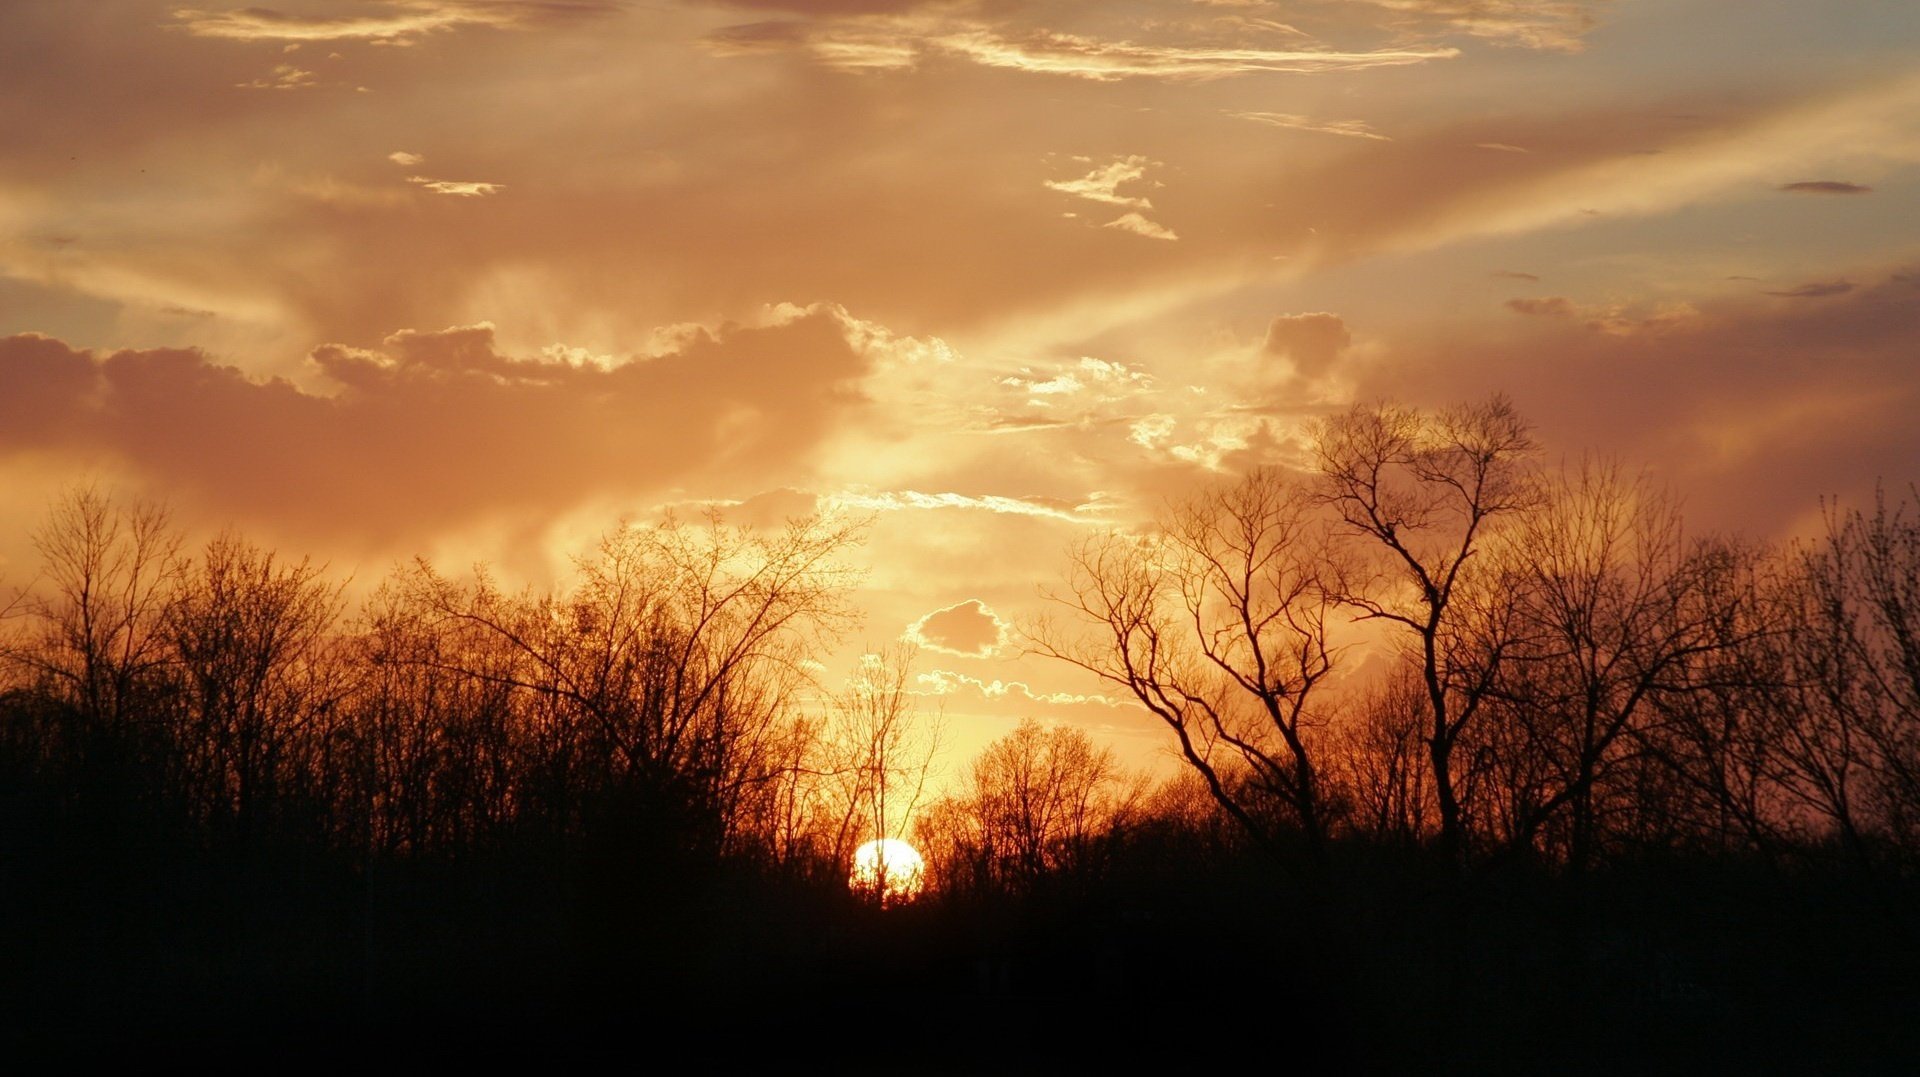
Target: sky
{"points": [[476, 279]]}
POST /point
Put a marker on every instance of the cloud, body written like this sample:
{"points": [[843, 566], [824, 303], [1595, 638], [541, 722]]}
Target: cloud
{"points": [[1509, 274], [1312, 343], [1815, 290], [1091, 58], [283, 77], [969, 629], [458, 188], [1825, 187], [390, 21], [898, 500], [1347, 128], [1551, 306], [1103, 184], [942, 682], [1753, 409], [1553, 25], [440, 427], [867, 44], [1141, 226], [1500, 147], [405, 159], [1615, 319]]}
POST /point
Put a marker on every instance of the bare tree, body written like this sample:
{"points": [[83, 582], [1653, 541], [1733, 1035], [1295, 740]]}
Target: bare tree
{"points": [[1217, 623], [1420, 495], [881, 754], [1380, 764], [1611, 616], [668, 673], [254, 643], [1036, 803], [109, 570]]}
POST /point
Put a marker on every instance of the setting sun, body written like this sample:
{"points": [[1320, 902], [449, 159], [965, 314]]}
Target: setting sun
{"points": [[889, 867]]}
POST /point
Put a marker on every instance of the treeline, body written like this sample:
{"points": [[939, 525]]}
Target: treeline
{"points": [[1429, 638], [1426, 641], [666, 692], [1424, 662]]}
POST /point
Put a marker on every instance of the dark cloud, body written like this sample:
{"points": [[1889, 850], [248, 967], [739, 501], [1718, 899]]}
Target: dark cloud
{"points": [[1508, 274], [1552, 306], [1312, 342], [1816, 290], [836, 7], [968, 628], [1825, 187], [436, 428], [1754, 410]]}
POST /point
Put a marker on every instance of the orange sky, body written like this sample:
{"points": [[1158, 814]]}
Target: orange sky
{"points": [[475, 278]]}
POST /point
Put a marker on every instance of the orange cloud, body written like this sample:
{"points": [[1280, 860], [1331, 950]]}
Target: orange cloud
{"points": [[436, 428], [969, 629], [393, 20]]}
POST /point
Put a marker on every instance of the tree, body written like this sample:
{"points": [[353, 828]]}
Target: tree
{"points": [[1216, 621], [1419, 496], [663, 682], [880, 756], [254, 643], [109, 570], [1610, 615], [1036, 803]]}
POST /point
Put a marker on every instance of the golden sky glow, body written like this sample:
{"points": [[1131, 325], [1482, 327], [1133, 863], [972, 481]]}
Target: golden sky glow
{"points": [[475, 278]]}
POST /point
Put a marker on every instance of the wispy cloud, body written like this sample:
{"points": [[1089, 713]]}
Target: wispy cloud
{"points": [[393, 20], [458, 188], [1103, 184], [943, 682], [884, 44], [1825, 187], [1347, 128], [1553, 25], [282, 77], [1815, 290], [1141, 226], [1091, 58], [405, 159], [901, 500]]}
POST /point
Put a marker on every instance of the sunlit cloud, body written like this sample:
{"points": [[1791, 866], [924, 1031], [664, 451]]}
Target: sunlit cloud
{"points": [[458, 188], [1345, 128], [887, 45], [941, 682], [1089, 58], [1555, 25], [435, 427], [283, 77], [392, 20], [915, 500], [405, 159], [1141, 226], [1103, 184]]}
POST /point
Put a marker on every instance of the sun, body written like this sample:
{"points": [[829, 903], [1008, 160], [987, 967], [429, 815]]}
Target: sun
{"points": [[890, 869]]}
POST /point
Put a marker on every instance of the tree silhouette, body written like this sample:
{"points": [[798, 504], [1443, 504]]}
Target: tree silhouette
{"points": [[1420, 496], [1217, 623]]}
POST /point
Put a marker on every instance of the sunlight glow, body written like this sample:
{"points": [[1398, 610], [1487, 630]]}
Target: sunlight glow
{"points": [[890, 869]]}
